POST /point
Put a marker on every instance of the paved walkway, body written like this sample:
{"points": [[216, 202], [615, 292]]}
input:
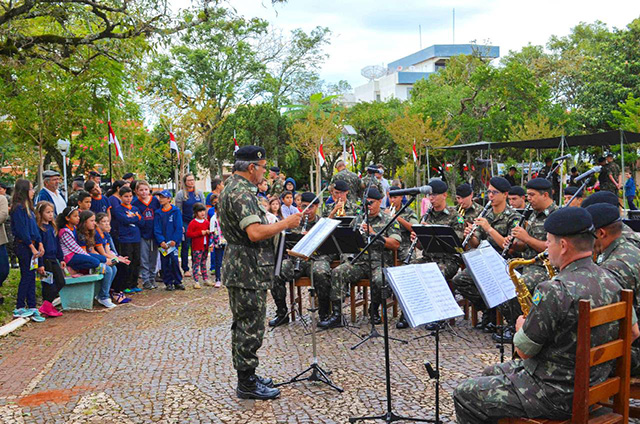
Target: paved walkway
{"points": [[166, 358]]}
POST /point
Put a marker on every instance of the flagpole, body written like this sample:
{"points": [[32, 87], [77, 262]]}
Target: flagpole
{"points": [[173, 167], [109, 143]]}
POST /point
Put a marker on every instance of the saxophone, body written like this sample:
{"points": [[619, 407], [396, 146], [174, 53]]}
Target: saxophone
{"points": [[523, 294]]}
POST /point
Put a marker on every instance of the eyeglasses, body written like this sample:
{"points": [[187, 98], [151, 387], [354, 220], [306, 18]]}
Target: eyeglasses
{"points": [[493, 192]]}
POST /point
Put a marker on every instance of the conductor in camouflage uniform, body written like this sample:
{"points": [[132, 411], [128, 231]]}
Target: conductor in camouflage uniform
{"points": [[441, 214], [348, 273], [351, 178], [540, 385], [531, 239], [619, 257], [493, 227], [247, 267], [467, 208], [277, 187], [321, 269]]}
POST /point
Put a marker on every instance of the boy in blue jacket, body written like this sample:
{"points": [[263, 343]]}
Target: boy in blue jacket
{"points": [[167, 228], [129, 221]]}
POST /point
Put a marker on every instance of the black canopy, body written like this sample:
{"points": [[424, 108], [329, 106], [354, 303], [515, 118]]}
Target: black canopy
{"points": [[600, 139]]}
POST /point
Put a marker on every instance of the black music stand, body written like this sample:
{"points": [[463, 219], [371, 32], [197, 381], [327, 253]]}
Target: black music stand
{"points": [[438, 239], [286, 242]]}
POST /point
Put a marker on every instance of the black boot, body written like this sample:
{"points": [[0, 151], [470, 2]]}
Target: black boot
{"points": [[507, 336], [250, 387], [335, 320], [281, 318], [324, 308], [491, 321], [402, 322], [374, 313]]}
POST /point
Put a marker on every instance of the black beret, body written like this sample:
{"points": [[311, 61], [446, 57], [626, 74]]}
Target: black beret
{"points": [[309, 197], [610, 155], [251, 153], [574, 169], [128, 175], [603, 214], [94, 174], [573, 190], [275, 169], [568, 222], [500, 183], [517, 191], [539, 184], [464, 190], [341, 185], [373, 193], [392, 189], [601, 159], [438, 186], [601, 197], [78, 178]]}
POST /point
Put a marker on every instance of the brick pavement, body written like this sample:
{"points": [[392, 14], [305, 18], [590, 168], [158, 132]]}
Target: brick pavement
{"points": [[166, 358]]}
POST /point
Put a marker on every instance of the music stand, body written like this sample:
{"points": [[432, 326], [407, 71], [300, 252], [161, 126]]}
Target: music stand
{"points": [[286, 242], [634, 224], [438, 239]]}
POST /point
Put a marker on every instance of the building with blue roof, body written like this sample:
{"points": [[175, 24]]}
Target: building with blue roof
{"points": [[396, 81]]}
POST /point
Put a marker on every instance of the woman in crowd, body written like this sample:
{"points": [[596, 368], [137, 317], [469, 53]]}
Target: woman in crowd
{"points": [[185, 199]]}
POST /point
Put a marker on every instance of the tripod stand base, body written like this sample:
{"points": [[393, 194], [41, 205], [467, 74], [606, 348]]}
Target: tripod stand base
{"points": [[372, 335], [390, 417], [317, 374]]}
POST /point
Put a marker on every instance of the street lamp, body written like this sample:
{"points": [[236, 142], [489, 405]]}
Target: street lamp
{"points": [[347, 131], [187, 155], [63, 147]]}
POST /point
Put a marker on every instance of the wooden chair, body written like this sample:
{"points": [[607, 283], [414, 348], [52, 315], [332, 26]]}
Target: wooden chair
{"points": [[295, 292], [617, 386], [634, 393], [364, 285]]}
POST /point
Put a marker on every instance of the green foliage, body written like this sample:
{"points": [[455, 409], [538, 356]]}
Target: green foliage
{"points": [[628, 118]]}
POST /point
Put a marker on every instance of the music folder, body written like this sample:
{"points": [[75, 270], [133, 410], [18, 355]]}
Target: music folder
{"points": [[423, 293], [489, 271]]}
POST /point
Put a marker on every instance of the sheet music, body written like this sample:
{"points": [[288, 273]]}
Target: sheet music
{"points": [[489, 271], [423, 293], [315, 237]]}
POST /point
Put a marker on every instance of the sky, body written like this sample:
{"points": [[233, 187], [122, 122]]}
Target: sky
{"points": [[377, 32]]}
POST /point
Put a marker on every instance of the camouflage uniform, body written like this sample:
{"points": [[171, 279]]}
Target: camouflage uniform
{"points": [[503, 223], [352, 180], [630, 235], [605, 181], [276, 188], [348, 273], [542, 386], [321, 275], [365, 183], [447, 263], [471, 213], [536, 273], [247, 269], [614, 170], [622, 259], [410, 216]]}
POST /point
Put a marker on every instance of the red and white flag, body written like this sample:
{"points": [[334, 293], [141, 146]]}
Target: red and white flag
{"points": [[173, 145], [321, 158], [235, 142], [114, 140], [415, 153], [354, 155]]}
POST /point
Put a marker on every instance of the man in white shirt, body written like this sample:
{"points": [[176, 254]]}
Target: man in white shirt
{"points": [[50, 192], [385, 186]]}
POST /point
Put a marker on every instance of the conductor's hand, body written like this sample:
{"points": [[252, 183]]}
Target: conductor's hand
{"points": [[293, 220]]}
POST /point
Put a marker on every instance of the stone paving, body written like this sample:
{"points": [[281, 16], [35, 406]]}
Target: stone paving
{"points": [[165, 358]]}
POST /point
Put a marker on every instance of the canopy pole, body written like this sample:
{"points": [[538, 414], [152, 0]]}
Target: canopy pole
{"points": [[560, 197], [622, 173]]}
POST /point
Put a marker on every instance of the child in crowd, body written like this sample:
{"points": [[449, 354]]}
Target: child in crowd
{"points": [[630, 190], [218, 244], [297, 201], [129, 221], [28, 246], [76, 232], [99, 203], [287, 204], [84, 200], [270, 216], [51, 261], [167, 229], [274, 207], [198, 232], [104, 246], [147, 205]]}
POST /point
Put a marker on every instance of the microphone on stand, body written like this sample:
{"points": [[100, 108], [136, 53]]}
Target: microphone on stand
{"points": [[412, 191], [563, 158], [588, 173]]}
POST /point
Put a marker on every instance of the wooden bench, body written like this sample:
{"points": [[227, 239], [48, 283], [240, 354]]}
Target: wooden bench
{"points": [[79, 292], [616, 386]]}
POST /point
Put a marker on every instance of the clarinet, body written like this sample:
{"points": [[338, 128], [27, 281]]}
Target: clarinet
{"points": [[522, 219], [304, 228], [474, 226], [415, 241]]}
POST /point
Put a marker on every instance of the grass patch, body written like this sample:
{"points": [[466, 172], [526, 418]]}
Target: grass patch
{"points": [[10, 292]]}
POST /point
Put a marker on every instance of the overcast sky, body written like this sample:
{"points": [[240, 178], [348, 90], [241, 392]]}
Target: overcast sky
{"points": [[378, 32]]}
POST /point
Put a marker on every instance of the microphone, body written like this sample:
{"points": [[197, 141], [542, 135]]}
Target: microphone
{"points": [[563, 157], [588, 173], [411, 191], [372, 169]]}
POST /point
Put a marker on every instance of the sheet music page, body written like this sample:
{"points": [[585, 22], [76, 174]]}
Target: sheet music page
{"points": [[498, 267], [423, 293], [485, 280], [315, 237]]}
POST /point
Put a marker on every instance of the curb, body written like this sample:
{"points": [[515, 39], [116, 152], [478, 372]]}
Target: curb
{"points": [[12, 326]]}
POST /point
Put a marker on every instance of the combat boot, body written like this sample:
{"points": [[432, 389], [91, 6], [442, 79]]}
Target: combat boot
{"points": [[324, 308], [335, 320], [282, 315], [250, 387], [374, 313], [491, 324]]}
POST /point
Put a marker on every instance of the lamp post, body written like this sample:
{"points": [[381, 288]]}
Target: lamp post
{"points": [[63, 147], [187, 156]]}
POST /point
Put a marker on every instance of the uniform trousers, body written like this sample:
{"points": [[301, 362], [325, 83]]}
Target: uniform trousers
{"points": [[249, 310]]}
